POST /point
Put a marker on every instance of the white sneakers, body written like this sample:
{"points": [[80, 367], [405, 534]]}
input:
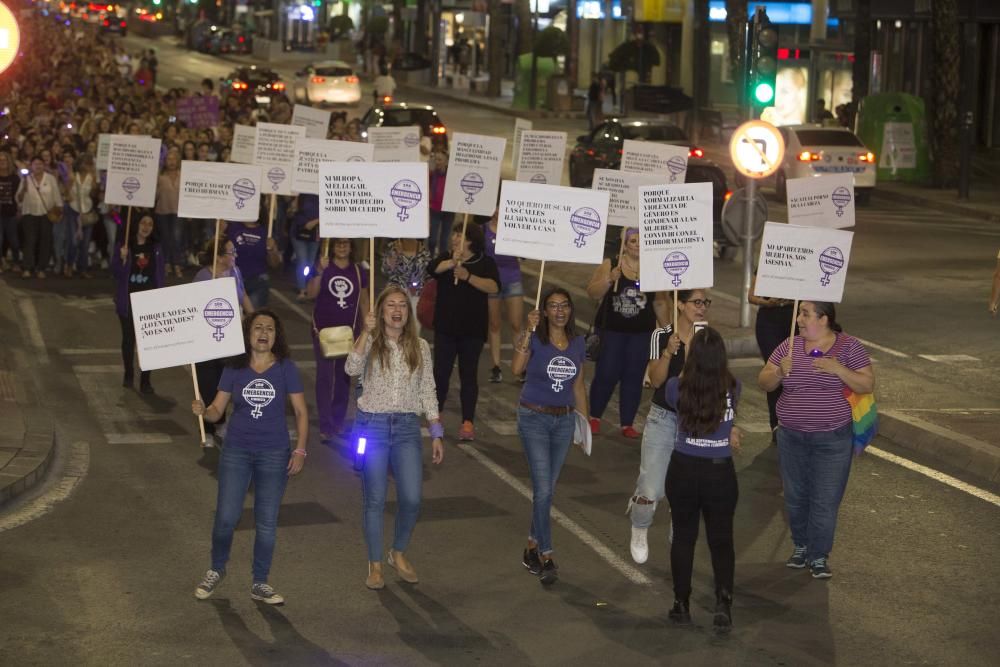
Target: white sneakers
{"points": [[639, 546]]}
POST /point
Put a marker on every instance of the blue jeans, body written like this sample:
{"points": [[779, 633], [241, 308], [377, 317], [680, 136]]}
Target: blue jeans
{"points": [[82, 251], [657, 446], [268, 470], [546, 440], [171, 240], [62, 236], [305, 257], [438, 242], [392, 437], [814, 472], [622, 362]]}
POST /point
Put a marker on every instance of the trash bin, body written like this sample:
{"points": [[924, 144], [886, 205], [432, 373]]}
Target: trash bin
{"points": [[894, 125]]}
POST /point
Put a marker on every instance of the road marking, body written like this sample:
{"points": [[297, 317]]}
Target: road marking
{"points": [[70, 351], [138, 438], [613, 559], [66, 475], [746, 362], [947, 358], [29, 318], [294, 306], [98, 368], [938, 476], [883, 348]]}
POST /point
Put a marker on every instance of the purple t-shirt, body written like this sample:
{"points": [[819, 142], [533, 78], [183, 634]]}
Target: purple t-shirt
{"points": [[711, 445], [812, 401], [337, 301], [251, 248], [509, 267], [259, 399], [551, 372], [206, 274]]}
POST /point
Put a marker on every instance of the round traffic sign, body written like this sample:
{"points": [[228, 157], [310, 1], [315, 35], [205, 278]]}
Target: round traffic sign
{"points": [[734, 215], [757, 149], [10, 37]]}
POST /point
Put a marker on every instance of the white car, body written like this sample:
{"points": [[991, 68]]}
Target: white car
{"points": [[327, 82], [814, 150]]}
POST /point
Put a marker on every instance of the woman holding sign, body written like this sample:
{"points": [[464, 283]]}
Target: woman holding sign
{"points": [[551, 355], [137, 266], [815, 427], [260, 383], [624, 321]]}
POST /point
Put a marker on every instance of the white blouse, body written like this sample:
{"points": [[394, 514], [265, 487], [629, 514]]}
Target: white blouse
{"points": [[395, 388]]}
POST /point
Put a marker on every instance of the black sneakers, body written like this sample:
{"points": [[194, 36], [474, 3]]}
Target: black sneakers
{"points": [[496, 375], [820, 569], [723, 611], [680, 613], [798, 558], [550, 573], [532, 561]]}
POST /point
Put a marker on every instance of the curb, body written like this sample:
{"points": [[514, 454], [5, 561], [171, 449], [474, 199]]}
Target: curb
{"points": [[936, 204], [28, 466], [484, 103]]}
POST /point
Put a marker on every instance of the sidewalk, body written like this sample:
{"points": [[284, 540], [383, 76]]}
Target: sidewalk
{"points": [[502, 105], [983, 202]]}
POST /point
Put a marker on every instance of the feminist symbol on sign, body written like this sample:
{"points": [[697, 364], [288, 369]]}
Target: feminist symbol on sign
{"points": [[676, 264], [259, 393], [585, 222], [841, 197], [243, 189], [677, 165], [472, 184], [405, 194], [218, 313], [831, 261], [276, 175], [131, 185]]}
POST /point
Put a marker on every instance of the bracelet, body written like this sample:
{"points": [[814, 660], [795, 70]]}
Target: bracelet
{"points": [[300, 451], [436, 429]]}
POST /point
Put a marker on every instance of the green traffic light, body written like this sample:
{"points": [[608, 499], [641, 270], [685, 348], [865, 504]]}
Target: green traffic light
{"points": [[763, 93]]}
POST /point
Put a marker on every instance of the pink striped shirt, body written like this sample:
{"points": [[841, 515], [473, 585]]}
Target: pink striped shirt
{"points": [[812, 401]]}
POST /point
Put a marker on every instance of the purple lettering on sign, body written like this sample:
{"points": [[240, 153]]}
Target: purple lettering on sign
{"points": [[131, 185], [676, 165], [841, 197], [405, 194], [198, 112], [243, 189], [676, 264], [218, 313], [584, 221], [472, 184], [831, 261]]}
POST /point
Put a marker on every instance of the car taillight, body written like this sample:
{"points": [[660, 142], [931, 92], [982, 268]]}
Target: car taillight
{"points": [[387, 99], [868, 157], [106, 23], [318, 79], [590, 152], [239, 85], [729, 193], [696, 152], [351, 79], [123, 24], [439, 129], [806, 156], [278, 85]]}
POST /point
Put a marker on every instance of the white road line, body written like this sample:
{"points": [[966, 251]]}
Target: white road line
{"points": [[29, 318], [68, 476], [138, 438], [103, 368], [72, 351], [947, 358], [883, 348], [294, 306], [613, 559], [936, 475]]}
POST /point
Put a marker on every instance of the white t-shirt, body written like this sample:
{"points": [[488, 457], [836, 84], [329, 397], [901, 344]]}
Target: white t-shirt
{"points": [[384, 85]]}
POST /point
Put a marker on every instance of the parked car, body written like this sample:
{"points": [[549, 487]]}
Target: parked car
{"points": [[218, 41], [260, 82], [814, 150], [327, 82], [402, 114]]}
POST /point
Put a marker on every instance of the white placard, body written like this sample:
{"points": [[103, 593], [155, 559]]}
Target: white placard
{"points": [[520, 127], [540, 157], [395, 144], [366, 199], [274, 153], [133, 169], [310, 153], [211, 190], [675, 237], [244, 143], [552, 222], [644, 157], [821, 201], [103, 150], [805, 263], [186, 324], [316, 121], [473, 179], [623, 207], [899, 149]]}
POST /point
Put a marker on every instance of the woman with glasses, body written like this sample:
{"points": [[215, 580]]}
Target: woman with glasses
{"points": [[551, 355], [667, 354]]}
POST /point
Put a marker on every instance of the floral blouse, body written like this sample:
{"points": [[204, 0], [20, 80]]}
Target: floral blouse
{"points": [[395, 388], [404, 270]]}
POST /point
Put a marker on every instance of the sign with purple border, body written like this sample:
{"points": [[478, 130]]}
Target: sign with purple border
{"points": [[805, 263], [366, 199]]}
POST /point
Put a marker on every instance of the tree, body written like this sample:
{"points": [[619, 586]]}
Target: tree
{"points": [[945, 92], [637, 55], [525, 27]]}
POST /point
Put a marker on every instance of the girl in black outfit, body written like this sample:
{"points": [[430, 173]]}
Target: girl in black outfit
{"points": [[774, 321]]}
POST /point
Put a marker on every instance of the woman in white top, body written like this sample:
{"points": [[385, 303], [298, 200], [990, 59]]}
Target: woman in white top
{"points": [[399, 386], [37, 194], [82, 187]]}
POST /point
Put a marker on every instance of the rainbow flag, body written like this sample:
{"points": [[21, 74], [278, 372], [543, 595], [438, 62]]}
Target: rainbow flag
{"points": [[864, 414]]}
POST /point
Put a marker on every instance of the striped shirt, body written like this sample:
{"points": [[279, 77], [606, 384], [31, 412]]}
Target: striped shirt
{"points": [[657, 344], [812, 401]]}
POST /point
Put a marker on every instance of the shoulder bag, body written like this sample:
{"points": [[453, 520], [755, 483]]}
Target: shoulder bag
{"points": [[864, 417], [593, 338], [55, 213], [337, 342]]}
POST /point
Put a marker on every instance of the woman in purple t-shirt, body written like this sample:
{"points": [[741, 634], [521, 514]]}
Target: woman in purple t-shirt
{"points": [[815, 434], [551, 355]]}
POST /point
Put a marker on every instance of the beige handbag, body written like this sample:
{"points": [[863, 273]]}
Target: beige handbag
{"points": [[337, 342]]}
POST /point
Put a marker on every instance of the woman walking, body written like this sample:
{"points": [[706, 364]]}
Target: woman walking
{"points": [[305, 239], [260, 383], [36, 196], [81, 199], [255, 253], [404, 263], [167, 197], [395, 365], [701, 479], [815, 432], [510, 298]]}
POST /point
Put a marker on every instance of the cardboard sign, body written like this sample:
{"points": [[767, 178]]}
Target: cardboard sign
{"points": [[310, 153], [367, 199], [623, 207], [899, 149], [133, 168], [198, 111], [520, 126], [103, 150], [244, 144], [675, 237], [186, 324], [821, 201], [395, 144], [211, 190], [540, 157], [274, 153], [316, 121], [473, 178], [805, 263], [644, 157], [551, 222]]}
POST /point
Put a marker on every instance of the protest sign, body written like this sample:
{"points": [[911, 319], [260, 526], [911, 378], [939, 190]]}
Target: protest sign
{"points": [[540, 157], [395, 144], [368, 199], [244, 144], [133, 169], [198, 111], [310, 153], [644, 157], [675, 236], [316, 121], [187, 324], [899, 149], [520, 126], [804, 263], [274, 153], [473, 179], [103, 150], [551, 222], [216, 190], [821, 201], [623, 207]]}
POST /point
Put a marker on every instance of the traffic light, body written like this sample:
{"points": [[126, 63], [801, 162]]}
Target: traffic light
{"points": [[762, 64]]}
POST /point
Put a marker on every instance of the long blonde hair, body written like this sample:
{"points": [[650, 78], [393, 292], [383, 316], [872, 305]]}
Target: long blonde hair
{"points": [[409, 341]]}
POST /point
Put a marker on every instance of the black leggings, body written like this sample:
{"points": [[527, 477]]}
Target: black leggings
{"points": [[128, 350], [699, 487], [773, 326], [467, 349], [209, 373]]}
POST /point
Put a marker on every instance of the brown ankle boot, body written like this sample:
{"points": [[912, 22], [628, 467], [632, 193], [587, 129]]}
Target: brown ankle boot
{"points": [[403, 567]]}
